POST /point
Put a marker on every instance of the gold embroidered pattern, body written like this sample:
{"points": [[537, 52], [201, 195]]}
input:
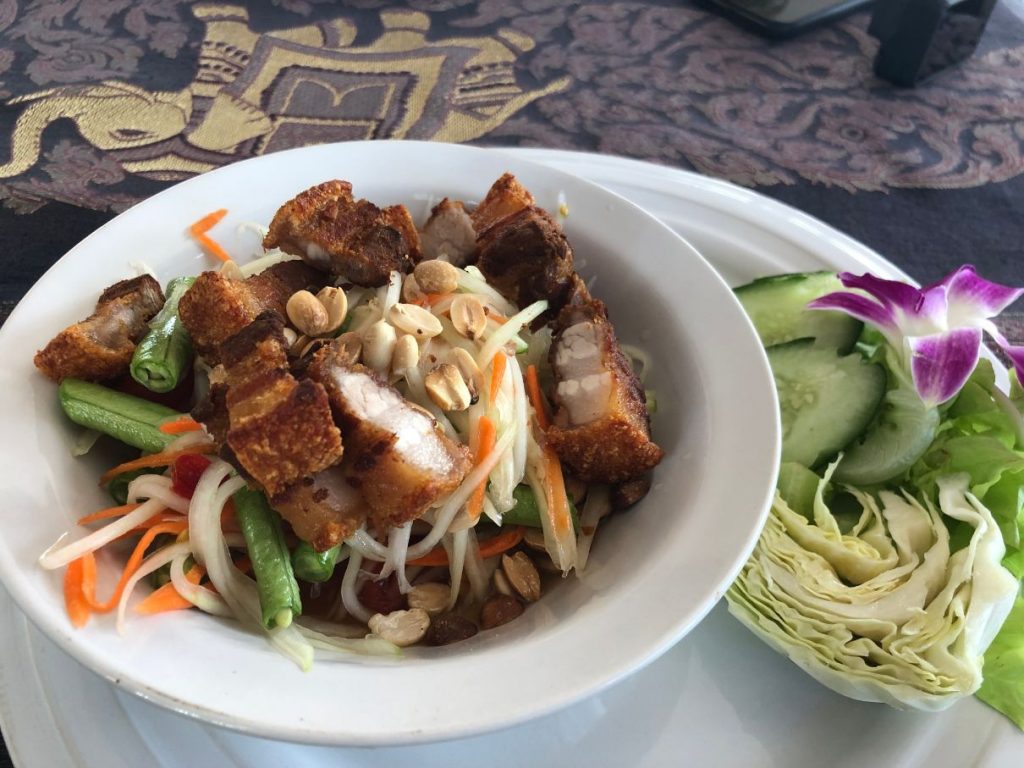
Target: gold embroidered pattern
{"points": [[254, 93]]}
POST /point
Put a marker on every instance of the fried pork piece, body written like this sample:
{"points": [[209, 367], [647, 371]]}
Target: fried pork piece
{"points": [[323, 510], [601, 429], [352, 238], [395, 452], [101, 346], [280, 430], [526, 257], [505, 197], [449, 234], [216, 307]]}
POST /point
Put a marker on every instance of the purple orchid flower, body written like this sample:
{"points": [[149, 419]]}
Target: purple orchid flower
{"points": [[937, 329]]}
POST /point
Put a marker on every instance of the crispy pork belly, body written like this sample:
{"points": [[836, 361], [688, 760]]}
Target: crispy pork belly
{"points": [[395, 452], [216, 307], [601, 429], [449, 234], [323, 510], [101, 346], [351, 238], [526, 257], [505, 197], [280, 430]]}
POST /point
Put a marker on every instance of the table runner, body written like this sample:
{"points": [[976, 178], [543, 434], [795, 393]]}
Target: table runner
{"points": [[102, 104]]}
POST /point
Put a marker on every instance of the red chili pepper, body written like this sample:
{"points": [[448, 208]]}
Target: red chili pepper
{"points": [[185, 473]]}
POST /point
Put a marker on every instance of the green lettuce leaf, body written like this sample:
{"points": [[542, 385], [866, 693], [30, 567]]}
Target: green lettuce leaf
{"points": [[1003, 687]]}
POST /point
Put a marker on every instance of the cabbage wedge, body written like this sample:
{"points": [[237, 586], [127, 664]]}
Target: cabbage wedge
{"points": [[886, 611]]}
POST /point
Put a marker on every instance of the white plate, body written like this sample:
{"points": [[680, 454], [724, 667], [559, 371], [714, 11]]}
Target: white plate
{"points": [[683, 544], [718, 698]]}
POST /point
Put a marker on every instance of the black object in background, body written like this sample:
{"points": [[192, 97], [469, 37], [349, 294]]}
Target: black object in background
{"points": [[786, 18], [921, 37]]}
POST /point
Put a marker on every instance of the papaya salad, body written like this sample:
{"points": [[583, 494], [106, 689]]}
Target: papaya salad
{"points": [[372, 435]]}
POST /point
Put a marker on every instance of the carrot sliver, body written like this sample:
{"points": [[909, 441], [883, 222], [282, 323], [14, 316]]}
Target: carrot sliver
{"points": [[74, 601], [496, 545], [131, 566], [166, 598], [558, 500], [485, 444], [497, 373], [199, 229], [162, 459], [106, 514], [533, 390], [180, 426], [208, 222]]}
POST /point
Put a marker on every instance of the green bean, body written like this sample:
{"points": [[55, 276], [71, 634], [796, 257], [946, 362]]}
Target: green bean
{"points": [[164, 354], [118, 485], [127, 418], [314, 566], [526, 511], [275, 580]]}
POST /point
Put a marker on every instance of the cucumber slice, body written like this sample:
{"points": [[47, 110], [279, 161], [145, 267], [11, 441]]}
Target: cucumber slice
{"points": [[902, 433], [776, 306], [826, 401]]}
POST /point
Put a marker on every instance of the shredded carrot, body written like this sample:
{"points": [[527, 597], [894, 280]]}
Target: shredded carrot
{"points": [[130, 567], [492, 547], [162, 459], [208, 222], [180, 426], [497, 372], [166, 598], [533, 390], [499, 319], [164, 516], [554, 489], [204, 225], [432, 298], [106, 514], [74, 601], [485, 441]]}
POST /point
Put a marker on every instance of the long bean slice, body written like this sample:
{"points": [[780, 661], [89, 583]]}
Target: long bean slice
{"points": [[164, 354], [310, 565], [127, 418], [271, 564], [527, 512]]}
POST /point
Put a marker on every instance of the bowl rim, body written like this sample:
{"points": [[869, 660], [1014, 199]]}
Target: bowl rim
{"points": [[110, 670]]}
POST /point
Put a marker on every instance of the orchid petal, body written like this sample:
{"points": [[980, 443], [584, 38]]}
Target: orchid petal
{"points": [[1015, 353], [858, 306], [971, 296], [891, 293], [942, 362]]}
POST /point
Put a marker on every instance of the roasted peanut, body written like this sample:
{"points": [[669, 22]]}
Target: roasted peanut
{"points": [[468, 316], [501, 583], [335, 302], [291, 337], [436, 276], [400, 627], [306, 313], [406, 354], [432, 597], [522, 575], [411, 291], [450, 628], [446, 388], [498, 610], [379, 345], [350, 345], [468, 369], [415, 320], [534, 539], [231, 271]]}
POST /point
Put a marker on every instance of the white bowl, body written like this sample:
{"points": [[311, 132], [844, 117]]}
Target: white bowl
{"points": [[655, 570]]}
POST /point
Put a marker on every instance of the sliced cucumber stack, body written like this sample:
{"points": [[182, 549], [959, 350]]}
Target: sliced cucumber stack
{"points": [[904, 429], [777, 308], [827, 401]]}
